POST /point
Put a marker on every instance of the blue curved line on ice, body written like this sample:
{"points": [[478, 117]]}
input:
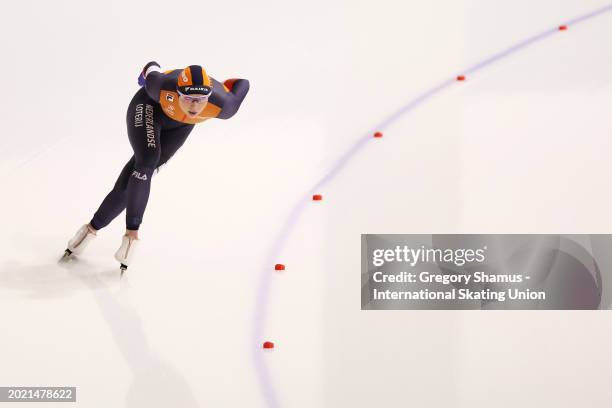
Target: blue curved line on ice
{"points": [[261, 305]]}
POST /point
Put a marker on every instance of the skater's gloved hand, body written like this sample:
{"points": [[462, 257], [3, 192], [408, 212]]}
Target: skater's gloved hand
{"points": [[151, 66]]}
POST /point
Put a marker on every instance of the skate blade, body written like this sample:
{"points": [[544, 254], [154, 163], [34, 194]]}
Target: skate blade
{"points": [[66, 256], [123, 268]]}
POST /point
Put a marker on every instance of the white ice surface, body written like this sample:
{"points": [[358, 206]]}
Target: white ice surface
{"points": [[521, 147]]}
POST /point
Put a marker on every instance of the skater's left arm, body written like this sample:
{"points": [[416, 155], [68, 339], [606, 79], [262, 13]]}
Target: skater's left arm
{"points": [[238, 88], [151, 78]]}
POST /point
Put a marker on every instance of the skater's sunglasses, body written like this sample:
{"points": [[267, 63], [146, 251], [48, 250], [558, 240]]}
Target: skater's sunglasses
{"points": [[192, 98]]}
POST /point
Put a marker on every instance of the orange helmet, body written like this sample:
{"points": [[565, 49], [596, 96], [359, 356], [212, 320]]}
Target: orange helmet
{"points": [[194, 80]]}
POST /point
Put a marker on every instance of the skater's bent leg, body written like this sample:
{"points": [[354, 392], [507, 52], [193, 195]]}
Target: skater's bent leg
{"points": [[144, 128], [115, 202], [170, 140]]}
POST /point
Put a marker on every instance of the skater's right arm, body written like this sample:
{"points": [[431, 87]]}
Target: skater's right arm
{"points": [[151, 78]]}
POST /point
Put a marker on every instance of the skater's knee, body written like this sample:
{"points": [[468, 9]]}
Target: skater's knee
{"points": [[143, 172], [148, 161]]}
